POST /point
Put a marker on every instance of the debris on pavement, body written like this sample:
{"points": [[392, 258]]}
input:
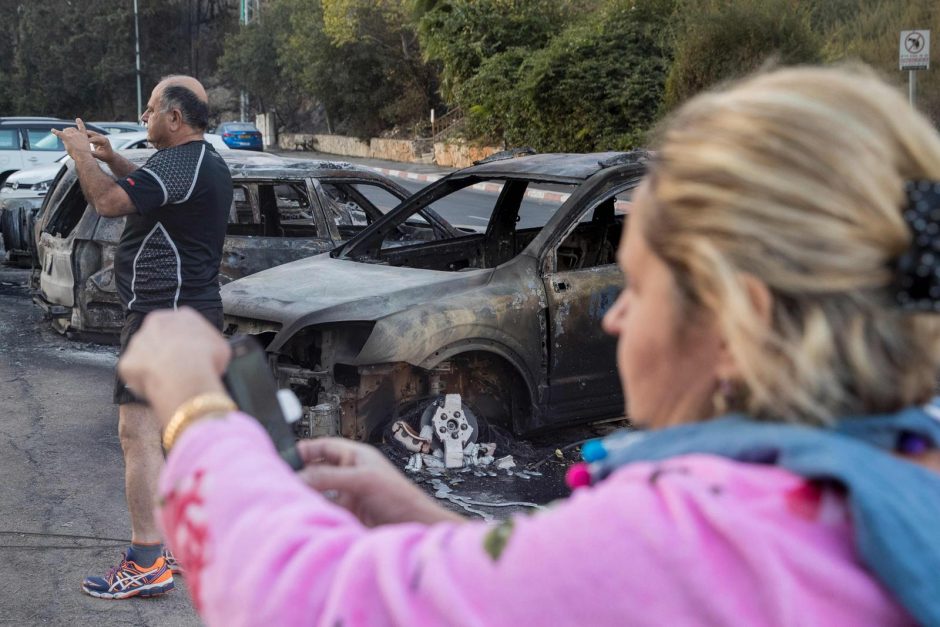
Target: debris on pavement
{"points": [[505, 463], [443, 491]]}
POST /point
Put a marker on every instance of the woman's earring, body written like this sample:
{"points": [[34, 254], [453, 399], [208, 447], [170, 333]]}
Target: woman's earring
{"points": [[721, 399]]}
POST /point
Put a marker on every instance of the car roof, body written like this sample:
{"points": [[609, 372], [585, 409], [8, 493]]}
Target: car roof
{"points": [[120, 123], [563, 167], [134, 136], [28, 118], [15, 121], [245, 164]]}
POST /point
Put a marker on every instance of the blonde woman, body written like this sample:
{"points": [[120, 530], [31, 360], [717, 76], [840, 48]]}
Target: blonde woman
{"points": [[778, 340]]}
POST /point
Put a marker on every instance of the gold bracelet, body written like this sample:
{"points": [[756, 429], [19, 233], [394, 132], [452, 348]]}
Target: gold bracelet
{"points": [[194, 408]]}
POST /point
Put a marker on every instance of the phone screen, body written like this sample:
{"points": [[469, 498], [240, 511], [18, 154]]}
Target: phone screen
{"points": [[251, 385]]}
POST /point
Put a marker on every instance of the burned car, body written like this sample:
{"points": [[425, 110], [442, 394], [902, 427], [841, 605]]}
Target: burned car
{"points": [[507, 314], [282, 210]]}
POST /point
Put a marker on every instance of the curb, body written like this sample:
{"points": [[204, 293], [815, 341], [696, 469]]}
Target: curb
{"points": [[411, 176]]}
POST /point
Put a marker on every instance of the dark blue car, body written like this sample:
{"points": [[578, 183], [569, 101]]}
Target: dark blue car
{"points": [[240, 135]]}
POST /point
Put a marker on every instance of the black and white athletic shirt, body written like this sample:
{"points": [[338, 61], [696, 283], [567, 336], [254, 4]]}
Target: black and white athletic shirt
{"points": [[170, 251]]}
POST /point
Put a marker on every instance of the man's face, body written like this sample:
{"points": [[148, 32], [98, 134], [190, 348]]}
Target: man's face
{"points": [[155, 119]]}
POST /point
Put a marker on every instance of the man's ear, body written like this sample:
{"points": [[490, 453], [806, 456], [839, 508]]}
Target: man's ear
{"points": [[176, 119], [762, 303]]}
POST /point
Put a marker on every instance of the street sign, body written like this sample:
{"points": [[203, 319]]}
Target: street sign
{"points": [[915, 50]]}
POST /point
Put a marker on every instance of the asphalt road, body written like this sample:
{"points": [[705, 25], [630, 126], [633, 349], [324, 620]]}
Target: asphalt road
{"points": [[472, 208], [62, 509]]}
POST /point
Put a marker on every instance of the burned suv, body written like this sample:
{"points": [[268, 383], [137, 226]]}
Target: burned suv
{"points": [[505, 312], [283, 210]]}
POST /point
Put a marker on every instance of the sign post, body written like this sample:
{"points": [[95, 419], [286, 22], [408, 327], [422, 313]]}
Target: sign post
{"points": [[914, 54]]}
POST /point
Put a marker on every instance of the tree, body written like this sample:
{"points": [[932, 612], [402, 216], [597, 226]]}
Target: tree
{"points": [[51, 67], [597, 85], [252, 61], [463, 34], [721, 39], [362, 78]]}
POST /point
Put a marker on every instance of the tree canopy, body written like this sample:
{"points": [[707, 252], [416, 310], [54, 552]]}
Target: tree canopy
{"points": [[554, 74]]}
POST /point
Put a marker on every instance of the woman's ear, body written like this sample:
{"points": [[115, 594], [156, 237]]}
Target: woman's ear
{"points": [[761, 302]]}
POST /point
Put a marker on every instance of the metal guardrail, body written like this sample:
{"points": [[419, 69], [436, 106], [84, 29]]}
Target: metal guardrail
{"points": [[446, 123]]}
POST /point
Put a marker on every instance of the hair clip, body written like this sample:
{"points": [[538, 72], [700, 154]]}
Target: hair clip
{"points": [[917, 273]]}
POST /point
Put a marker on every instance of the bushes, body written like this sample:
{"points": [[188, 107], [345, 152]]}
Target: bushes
{"points": [[724, 40], [597, 84]]}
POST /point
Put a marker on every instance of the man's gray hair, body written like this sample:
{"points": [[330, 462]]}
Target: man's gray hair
{"points": [[195, 111]]}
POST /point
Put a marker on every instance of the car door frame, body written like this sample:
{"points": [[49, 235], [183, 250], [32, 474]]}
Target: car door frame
{"points": [[354, 178], [564, 291], [274, 246]]}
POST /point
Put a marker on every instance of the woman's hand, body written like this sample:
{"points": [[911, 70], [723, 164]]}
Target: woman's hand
{"points": [[176, 355], [367, 484]]}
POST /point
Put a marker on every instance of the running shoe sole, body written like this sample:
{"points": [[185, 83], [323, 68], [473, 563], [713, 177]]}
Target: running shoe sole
{"points": [[150, 590]]}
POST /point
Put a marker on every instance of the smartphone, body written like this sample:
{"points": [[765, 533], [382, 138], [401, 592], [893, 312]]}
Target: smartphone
{"points": [[251, 385]]}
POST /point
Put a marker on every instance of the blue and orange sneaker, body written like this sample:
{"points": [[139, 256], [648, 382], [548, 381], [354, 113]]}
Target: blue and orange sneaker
{"points": [[127, 579]]}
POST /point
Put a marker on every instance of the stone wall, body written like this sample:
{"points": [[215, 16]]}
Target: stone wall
{"points": [[460, 155], [457, 155], [295, 141], [394, 150]]}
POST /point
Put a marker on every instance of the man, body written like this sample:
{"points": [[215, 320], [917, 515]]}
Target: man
{"points": [[176, 206]]}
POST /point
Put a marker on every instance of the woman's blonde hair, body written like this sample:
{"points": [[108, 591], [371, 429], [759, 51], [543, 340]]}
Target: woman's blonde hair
{"points": [[796, 177]]}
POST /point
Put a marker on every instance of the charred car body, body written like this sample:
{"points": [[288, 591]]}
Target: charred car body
{"points": [[283, 209], [507, 315]]}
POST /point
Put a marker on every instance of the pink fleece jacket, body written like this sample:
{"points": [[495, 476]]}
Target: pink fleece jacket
{"points": [[694, 540]]}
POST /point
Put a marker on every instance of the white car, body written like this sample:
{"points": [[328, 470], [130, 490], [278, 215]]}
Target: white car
{"points": [[26, 142], [22, 193]]}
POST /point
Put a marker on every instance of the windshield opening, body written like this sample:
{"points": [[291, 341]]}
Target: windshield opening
{"points": [[487, 223]]}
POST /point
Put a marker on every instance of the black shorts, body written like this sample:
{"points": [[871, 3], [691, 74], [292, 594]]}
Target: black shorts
{"points": [[132, 322]]}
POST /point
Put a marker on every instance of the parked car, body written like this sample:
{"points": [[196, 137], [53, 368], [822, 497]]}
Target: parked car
{"points": [[509, 317], [120, 127], [241, 135], [26, 142], [282, 210], [21, 196]]}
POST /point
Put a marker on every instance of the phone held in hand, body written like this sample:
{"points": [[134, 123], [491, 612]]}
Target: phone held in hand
{"points": [[251, 385]]}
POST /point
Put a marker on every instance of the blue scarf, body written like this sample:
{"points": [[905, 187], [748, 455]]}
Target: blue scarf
{"points": [[894, 504]]}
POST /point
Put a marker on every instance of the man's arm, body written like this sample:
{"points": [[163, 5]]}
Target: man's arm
{"points": [[120, 166], [101, 149], [100, 190]]}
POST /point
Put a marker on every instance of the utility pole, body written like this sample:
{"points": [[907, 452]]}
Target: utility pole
{"points": [[249, 12], [137, 52]]}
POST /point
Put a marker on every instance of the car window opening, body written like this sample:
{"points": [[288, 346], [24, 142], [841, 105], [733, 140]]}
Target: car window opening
{"points": [[594, 240], [492, 222], [69, 213]]}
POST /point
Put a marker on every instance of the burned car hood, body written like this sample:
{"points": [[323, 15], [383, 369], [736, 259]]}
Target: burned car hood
{"points": [[322, 289]]}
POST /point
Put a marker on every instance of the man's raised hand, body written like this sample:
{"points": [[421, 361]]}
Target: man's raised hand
{"points": [[100, 146], [75, 140]]}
